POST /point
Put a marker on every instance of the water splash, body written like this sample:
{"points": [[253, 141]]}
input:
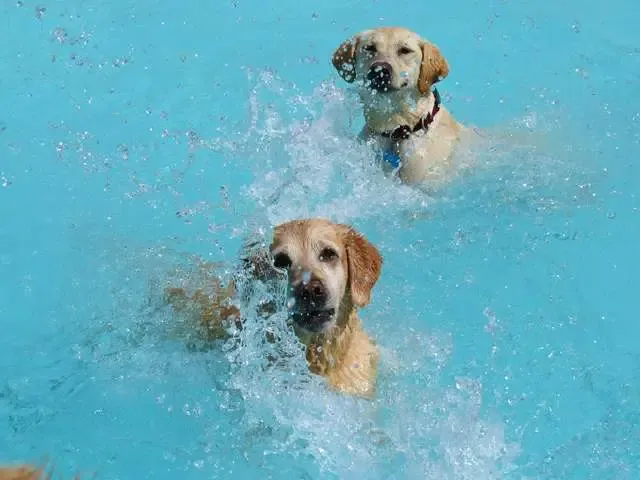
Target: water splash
{"points": [[255, 394], [307, 161], [414, 428]]}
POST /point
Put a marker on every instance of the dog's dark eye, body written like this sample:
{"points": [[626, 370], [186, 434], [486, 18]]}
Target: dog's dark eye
{"points": [[370, 49], [404, 51], [328, 255], [282, 261]]}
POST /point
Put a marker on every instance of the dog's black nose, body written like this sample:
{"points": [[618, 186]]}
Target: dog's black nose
{"points": [[379, 76], [311, 295]]}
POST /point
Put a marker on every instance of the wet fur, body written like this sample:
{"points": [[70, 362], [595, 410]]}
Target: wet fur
{"points": [[22, 472], [343, 354], [425, 158], [26, 472]]}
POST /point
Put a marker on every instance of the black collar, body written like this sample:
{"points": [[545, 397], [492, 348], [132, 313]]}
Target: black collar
{"points": [[404, 131]]}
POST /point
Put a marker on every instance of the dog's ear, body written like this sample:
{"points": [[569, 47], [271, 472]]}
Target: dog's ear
{"points": [[365, 264], [434, 67], [344, 59]]}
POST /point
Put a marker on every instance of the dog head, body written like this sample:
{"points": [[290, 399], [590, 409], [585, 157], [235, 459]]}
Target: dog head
{"points": [[391, 59], [331, 269]]}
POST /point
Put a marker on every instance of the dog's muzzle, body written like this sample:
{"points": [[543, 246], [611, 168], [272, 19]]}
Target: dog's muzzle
{"points": [[309, 309], [313, 321], [379, 76]]}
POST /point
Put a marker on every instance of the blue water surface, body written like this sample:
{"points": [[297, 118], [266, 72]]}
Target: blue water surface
{"points": [[134, 135]]}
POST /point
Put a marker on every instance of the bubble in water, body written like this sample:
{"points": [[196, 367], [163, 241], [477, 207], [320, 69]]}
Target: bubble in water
{"points": [[306, 277], [291, 302]]}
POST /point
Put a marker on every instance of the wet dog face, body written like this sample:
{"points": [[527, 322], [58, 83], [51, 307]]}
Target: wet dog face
{"points": [[331, 268], [388, 60]]}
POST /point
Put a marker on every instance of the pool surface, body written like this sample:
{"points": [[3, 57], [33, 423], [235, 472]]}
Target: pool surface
{"points": [[134, 135]]}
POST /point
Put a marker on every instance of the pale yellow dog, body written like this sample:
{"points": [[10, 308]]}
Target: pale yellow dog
{"points": [[395, 71], [22, 472], [26, 472]]}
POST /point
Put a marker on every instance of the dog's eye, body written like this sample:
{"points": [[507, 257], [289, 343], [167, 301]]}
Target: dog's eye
{"points": [[282, 261], [370, 49], [404, 51], [328, 255]]}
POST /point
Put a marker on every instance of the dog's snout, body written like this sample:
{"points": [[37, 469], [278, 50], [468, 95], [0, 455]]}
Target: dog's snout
{"points": [[379, 75], [383, 68], [311, 294]]}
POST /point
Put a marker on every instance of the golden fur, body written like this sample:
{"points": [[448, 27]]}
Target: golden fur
{"points": [[332, 259], [26, 472], [22, 472], [415, 66], [209, 304]]}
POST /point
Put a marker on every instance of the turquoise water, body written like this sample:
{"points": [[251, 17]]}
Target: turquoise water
{"points": [[135, 134]]}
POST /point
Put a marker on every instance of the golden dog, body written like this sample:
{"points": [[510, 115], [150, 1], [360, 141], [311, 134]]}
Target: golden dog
{"points": [[26, 472], [331, 271], [395, 70], [22, 472]]}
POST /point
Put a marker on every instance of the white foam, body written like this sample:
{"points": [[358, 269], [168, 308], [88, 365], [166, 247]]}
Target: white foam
{"points": [[307, 162]]}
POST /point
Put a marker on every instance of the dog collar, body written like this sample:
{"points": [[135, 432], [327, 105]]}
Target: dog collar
{"points": [[404, 131]]}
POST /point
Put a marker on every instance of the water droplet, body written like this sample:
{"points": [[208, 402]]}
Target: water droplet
{"points": [[306, 277], [60, 34], [291, 302]]}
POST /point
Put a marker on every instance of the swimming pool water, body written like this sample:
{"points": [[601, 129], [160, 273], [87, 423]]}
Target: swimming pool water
{"points": [[135, 134]]}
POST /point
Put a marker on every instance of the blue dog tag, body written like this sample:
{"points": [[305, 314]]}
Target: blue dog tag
{"points": [[392, 158]]}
